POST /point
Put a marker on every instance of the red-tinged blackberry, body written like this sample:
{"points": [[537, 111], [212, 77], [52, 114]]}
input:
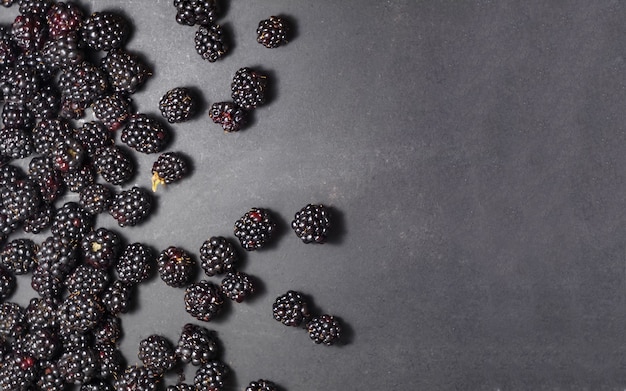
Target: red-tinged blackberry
{"points": [[116, 297], [181, 387], [157, 353], [78, 365], [77, 180], [177, 105], [237, 286], [168, 168], [19, 83], [20, 199], [231, 117], [211, 376], [68, 155], [324, 329], [18, 372], [19, 255], [210, 42], [42, 313], [262, 385], [15, 142], [131, 207], [49, 132], [41, 344], [12, 320], [113, 110], [29, 32], [175, 266], [46, 102], [192, 12], [82, 82], [248, 88], [46, 283], [114, 164], [272, 32], [36, 7], [137, 377], [218, 256], [17, 115], [125, 70], [80, 312], [71, 222], [50, 181], [97, 385], [57, 255], [254, 229], [100, 248], [110, 360], [7, 283], [135, 264], [62, 53], [86, 279], [63, 18], [105, 31], [94, 135], [291, 309], [197, 345], [95, 198], [145, 134], [312, 223], [203, 300], [50, 378]]}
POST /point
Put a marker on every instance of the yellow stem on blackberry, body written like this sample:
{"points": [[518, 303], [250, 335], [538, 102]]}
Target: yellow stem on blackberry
{"points": [[156, 181]]}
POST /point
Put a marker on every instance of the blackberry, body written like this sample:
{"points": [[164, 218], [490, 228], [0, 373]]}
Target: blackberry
{"points": [[42, 313], [57, 255], [177, 105], [197, 345], [203, 300], [9, 174], [168, 168], [41, 344], [68, 155], [157, 353], [324, 329], [110, 360], [45, 102], [145, 134], [109, 330], [126, 71], [210, 42], [291, 309], [46, 283], [18, 372], [136, 377], [175, 266], [86, 279], [182, 387], [254, 229], [113, 110], [94, 135], [7, 283], [19, 83], [97, 385], [114, 164], [29, 32], [19, 255], [20, 199], [72, 108], [63, 19], [105, 31], [62, 53], [95, 198], [17, 115], [71, 222], [80, 312], [42, 171], [50, 377], [100, 248], [82, 82], [311, 223], [192, 12], [35, 61], [49, 132], [35, 7], [211, 376], [231, 117], [73, 339], [77, 180], [78, 365], [12, 318], [272, 32], [135, 264], [262, 385], [7, 48], [116, 298], [15, 142], [8, 224], [218, 256], [237, 286], [248, 88], [7, 3], [131, 207]]}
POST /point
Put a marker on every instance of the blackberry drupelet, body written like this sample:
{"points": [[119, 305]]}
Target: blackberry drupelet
{"points": [[291, 309], [197, 345], [262, 385], [218, 256], [114, 164], [100, 248], [29, 32], [15, 142], [95, 198], [71, 222], [45, 102], [203, 300], [168, 168], [80, 312], [49, 132], [175, 266], [82, 83], [211, 376], [116, 298], [50, 181], [272, 32], [86, 279], [177, 105], [63, 18], [78, 365], [77, 180], [231, 117], [113, 110], [68, 155], [20, 199], [210, 42], [237, 286], [248, 88], [8, 283], [126, 71], [157, 353], [131, 207], [105, 31], [137, 377], [135, 264], [192, 12], [94, 135], [19, 255], [311, 223], [18, 115], [324, 329], [254, 229], [145, 134]]}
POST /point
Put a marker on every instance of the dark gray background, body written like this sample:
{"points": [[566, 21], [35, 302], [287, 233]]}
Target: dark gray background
{"points": [[474, 155]]}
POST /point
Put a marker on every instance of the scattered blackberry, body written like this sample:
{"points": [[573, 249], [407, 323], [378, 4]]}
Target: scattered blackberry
{"points": [[211, 42], [71, 222], [95, 198], [211, 376], [197, 345], [231, 117], [218, 256], [19, 83], [35, 7], [94, 135], [113, 110], [116, 298], [237, 286], [131, 207], [80, 312], [63, 19], [192, 12], [145, 134], [50, 377], [262, 385], [78, 365], [100, 248], [12, 320], [82, 82], [136, 378], [272, 32], [168, 168], [311, 223], [86, 279], [17, 115], [49, 132], [41, 344], [254, 229], [105, 31], [97, 385], [114, 165], [29, 32], [203, 300], [248, 88], [45, 102], [15, 142], [175, 266], [50, 181], [135, 264], [324, 329], [42, 313], [291, 309], [19, 255], [110, 360], [62, 53], [77, 180], [68, 155], [125, 70], [20, 199], [177, 105], [182, 387], [7, 283], [157, 353]]}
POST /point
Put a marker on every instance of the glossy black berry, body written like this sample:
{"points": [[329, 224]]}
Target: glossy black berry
{"points": [[237, 286], [210, 42], [114, 165], [42, 313], [20, 199], [192, 12], [125, 70], [105, 31], [82, 83], [175, 266], [29, 32], [78, 365], [272, 32], [262, 385], [112, 110], [49, 132], [248, 88], [131, 207], [71, 222], [312, 223], [137, 377], [231, 117], [94, 135], [135, 264], [40, 220], [218, 256], [68, 155], [63, 18], [80, 312], [324, 329], [110, 362], [291, 309], [116, 297], [15, 142], [168, 168], [95, 198], [100, 248], [145, 134], [203, 300], [156, 352], [42, 170], [254, 229], [7, 283], [19, 255], [87, 279], [197, 345], [211, 376], [177, 105], [77, 180]]}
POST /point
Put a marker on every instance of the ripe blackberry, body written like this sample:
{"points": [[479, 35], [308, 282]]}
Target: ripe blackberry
{"points": [[86, 279], [311, 223], [77, 180], [126, 71], [218, 256], [17, 115], [97, 385], [211, 376], [291, 309], [41, 344], [19, 83], [135, 264], [9, 174], [29, 32], [157, 353], [110, 360], [19, 255], [324, 329], [237, 286], [94, 135], [192, 12], [100, 248], [35, 61], [72, 108], [20, 199], [231, 117], [58, 255], [109, 330], [175, 266], [18, 372], [248, 88], [114, 164], [82, 82], [254, 229], [80, 312], [63, 19], [73, 339], [7, 283], [78, 365], [35, 7], [168, 168], [50, 181], [131, 207], [71, 222], [46, 283], [45, 102], [203, 300], [42, 313], [50, 377], [12, 320], [105, 31], [145, 134], [137, 377], [177, 105], [113, 110], [49, 132], [262, 385], [62, 53], [272, 32], [95, 198], [210, 42], [15, 142], [116, 298], [197, 345], [68, 155]]}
